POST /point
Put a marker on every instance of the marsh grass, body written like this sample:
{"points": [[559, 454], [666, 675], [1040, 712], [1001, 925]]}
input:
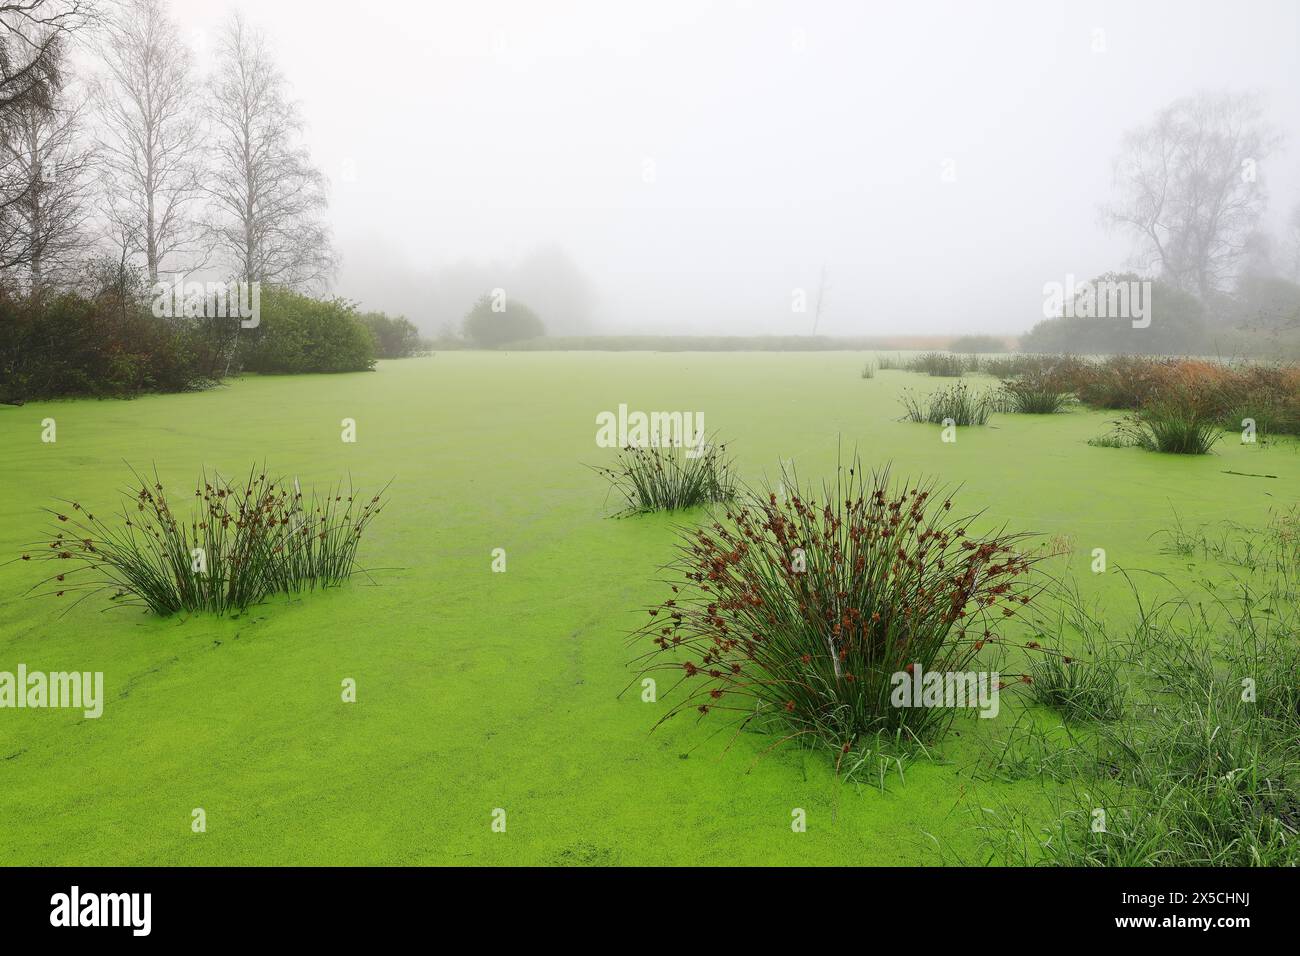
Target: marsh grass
{"points": [[1274, 548], [942, 364], [239, 543], [1112, 439], [670, 478], [1080, 686], [958, 404], [1203, 770]]}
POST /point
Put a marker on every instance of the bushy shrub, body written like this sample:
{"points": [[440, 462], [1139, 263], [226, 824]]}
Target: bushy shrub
{"points": [[297, 333], [487, 329], [241, 542], [105, 345], [395, 336], [1177, 326], [802, 611]]}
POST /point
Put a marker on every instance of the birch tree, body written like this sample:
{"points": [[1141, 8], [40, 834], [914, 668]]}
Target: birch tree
{"points": [[150, 138], [269, 200], [42, 147], [34, 35]]}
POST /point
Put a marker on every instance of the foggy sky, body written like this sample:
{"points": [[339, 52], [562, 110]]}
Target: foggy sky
{"points": [[783, 136]]}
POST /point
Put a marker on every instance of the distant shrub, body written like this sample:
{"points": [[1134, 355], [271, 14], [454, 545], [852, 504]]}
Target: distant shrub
{"points": [[297, 333], [957, 404], [977, 344], [447, 339], [1177, 324], [671, 478], [395, 336], [1065, 371], [241, 542], [938, 364], [487, 329]]}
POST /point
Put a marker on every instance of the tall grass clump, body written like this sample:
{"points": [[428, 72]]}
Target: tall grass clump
{"points": [[957, 404], [798, 612], [1172, 427], [1035, 395], [670, 478], [240, 543], [869, 370]]}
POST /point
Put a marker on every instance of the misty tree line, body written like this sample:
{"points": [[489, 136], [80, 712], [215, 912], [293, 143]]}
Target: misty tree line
{"points": [[1189, 191], [140, 170], [142, 165]]}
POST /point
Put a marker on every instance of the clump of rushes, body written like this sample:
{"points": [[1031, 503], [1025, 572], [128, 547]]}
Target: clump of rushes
{"points": [[869, 370], [241, 542], [958, 404], [1171, 426], [798, 613], [1035, 395], [670, 478]]}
